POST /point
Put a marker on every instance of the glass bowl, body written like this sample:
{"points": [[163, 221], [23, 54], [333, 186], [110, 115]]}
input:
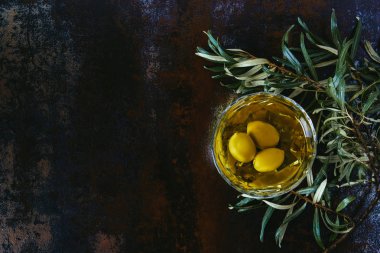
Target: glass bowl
{"points": [[297, 138]]}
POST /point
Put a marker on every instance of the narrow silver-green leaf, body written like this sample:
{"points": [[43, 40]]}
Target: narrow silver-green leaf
{"points": [[317, 229], [212, 47], [329, 49], [218, 47], [361, 91], [334, 235], [250, 63], [307, 190], [295, 214], [309, 34], [307, 58], [279, 207], [373, 96], [296, 65], [215, 69], [250, 72], [326, 109], [247, 196], [297, 91], [334, 119], [266, 218], [213, 58], [335, 227], [371, 52], [203, 51], [245, 201], [254, 83], [335, 31], [280, 232], [356, 38], [319, 192], [345, 202], [325, 63]]}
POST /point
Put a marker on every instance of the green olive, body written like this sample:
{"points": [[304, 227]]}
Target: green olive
{"points": [[269, 159], [241, 147], [264, 134]]}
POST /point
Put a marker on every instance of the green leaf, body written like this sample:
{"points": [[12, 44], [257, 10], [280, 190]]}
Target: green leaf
{"points": [[244, 201], [231, 85], [280, 232], [329, 49], [215, 43], [250, 63], [334, 235], [332, 225], [371, 52], [309, 34], [342, 57], [373, 96], [266, 218], [295, 214], [297, 91], [220, 76], [215, 69], [288, 84], [356, 38], [325, 63], [203, 51], [345, 202], [246, 204], [361, 91], [322, 173], [260, 76], [326, 56], [335, 31], [334, 119], [279, 207], [250, 72], [296, 65], [319, 192], [336, 227], [307, 190], [317, 229], [254, 83], [326, 109], [212, 47], [212, 58], [307, 58]]}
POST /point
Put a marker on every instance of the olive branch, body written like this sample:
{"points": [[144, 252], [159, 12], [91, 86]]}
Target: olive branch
{"points": [[343, 97]]}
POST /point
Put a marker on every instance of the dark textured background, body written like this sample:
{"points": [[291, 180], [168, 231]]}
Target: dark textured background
{"points": [[104, 122]]}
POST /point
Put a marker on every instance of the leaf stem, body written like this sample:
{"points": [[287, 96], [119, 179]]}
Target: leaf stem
{"points": [[324, 208]]}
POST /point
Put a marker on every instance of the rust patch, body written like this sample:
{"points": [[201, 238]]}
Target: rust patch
{"points": [[105, 243], [44, 167], [7, 161], [22, 236]]}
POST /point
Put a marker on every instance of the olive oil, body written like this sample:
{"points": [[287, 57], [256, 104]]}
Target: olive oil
{"points": [[297, 140]]}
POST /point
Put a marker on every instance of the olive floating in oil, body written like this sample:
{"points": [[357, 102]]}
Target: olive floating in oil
{"points": [[269, 159], [264, 134], [242, 147]]}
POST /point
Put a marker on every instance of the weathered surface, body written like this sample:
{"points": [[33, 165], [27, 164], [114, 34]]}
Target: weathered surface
{"points": [[105, 115]]}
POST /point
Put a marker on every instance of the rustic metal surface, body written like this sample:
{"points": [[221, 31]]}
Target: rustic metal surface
{"points": [[104, 120]]}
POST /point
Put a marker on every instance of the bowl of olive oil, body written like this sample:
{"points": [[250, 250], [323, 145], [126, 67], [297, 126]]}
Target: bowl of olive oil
{"points": [[264, 144]]}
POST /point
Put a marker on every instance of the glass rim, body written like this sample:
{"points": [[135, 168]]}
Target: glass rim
{"points": [[308, 169]]}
